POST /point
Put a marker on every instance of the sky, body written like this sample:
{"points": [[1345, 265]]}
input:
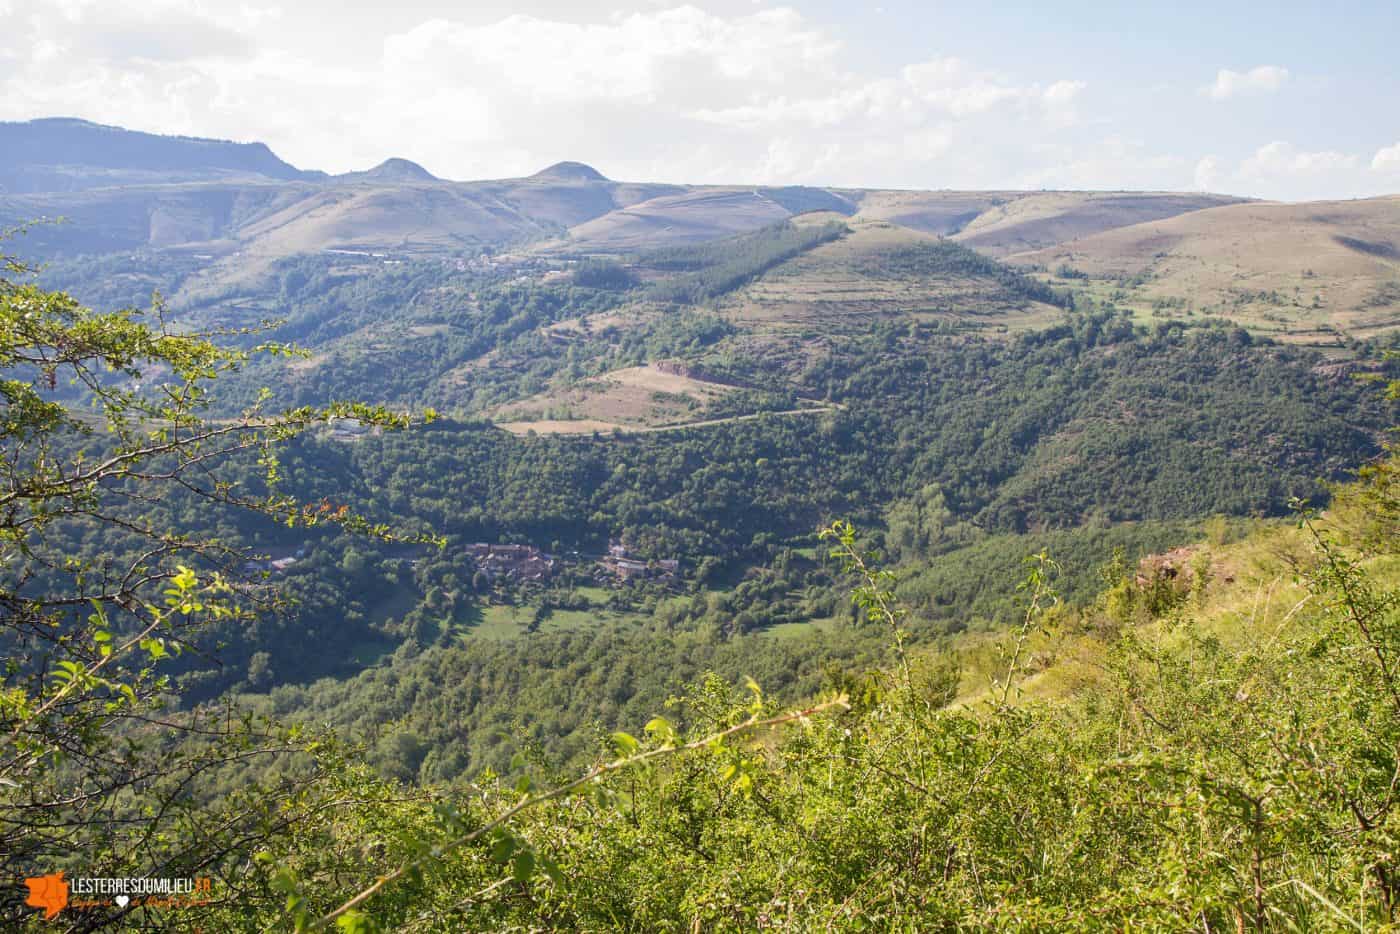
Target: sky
{"points": [[1290, 101]]}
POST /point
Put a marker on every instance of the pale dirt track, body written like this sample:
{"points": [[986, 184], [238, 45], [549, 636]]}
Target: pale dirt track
{"points": [[588, 426]]}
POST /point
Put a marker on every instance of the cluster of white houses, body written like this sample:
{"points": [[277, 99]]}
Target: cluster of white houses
{"points": [[628, 568], [522, 563]]}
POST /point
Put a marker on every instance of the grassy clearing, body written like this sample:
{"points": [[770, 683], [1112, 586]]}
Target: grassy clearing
{"points": [[598, 596], [498, 621], [633, 397], [690, 217], [1040, 219], [561, 620], [504, 622], [794, 630]]}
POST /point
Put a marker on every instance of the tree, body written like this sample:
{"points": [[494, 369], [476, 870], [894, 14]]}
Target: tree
{"points": [[106, 431], [260, 674]]}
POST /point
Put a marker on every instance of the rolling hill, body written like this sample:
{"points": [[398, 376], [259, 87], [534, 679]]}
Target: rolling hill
{"points": [[244, 208], [229, 216], [1002, 222], [881, 270], [689, 217], [1314, 273], [1033, 221]]}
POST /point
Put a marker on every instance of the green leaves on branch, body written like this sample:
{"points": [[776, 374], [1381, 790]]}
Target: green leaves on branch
{"points": [[105, 419]]}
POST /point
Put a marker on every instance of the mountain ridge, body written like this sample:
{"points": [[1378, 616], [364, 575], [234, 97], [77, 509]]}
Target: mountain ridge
{"points": [[126, 189], [71, 154], [241, 210]]}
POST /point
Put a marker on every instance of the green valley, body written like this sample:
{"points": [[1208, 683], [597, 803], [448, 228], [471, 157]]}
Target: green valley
{"points": [[561, 553]]}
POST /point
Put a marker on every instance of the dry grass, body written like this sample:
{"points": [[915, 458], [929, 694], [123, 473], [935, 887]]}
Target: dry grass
{"points": [[1042, 219], [429, 330], [307, 364], [842, 283], [695, 216], [935, 212], [593, 324], [1300, 272], [1251, 597], [635, 397], [1002, 222]]}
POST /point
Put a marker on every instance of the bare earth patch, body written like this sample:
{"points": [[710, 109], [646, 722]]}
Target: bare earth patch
{"points": [[635, 397]]}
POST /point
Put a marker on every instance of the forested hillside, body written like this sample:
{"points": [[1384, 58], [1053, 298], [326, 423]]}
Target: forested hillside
{"points": [[1210, 742], [1089, 426]]}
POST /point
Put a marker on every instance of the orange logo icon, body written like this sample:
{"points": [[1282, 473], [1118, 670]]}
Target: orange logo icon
{"points": [[49, 893]]}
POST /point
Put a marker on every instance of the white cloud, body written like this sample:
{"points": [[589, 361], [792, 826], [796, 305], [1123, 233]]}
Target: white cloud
{"points": [[769, 94], [1283, 159], [673, 94], [1283, 171], [936, 90], [1109, 163], [157, 30], [1264, 79], [639, 57], [1208, 175], [684, 94], [1063, 93], [750, 94], [1387, 159]]}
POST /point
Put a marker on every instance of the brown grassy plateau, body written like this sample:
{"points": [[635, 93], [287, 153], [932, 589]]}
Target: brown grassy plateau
{"points": [[632, 398], [1041, 219], [1313, 273]]}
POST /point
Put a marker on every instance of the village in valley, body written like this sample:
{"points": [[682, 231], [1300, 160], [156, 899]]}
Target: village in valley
{"points": [[526, 563], [523, 564]]}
